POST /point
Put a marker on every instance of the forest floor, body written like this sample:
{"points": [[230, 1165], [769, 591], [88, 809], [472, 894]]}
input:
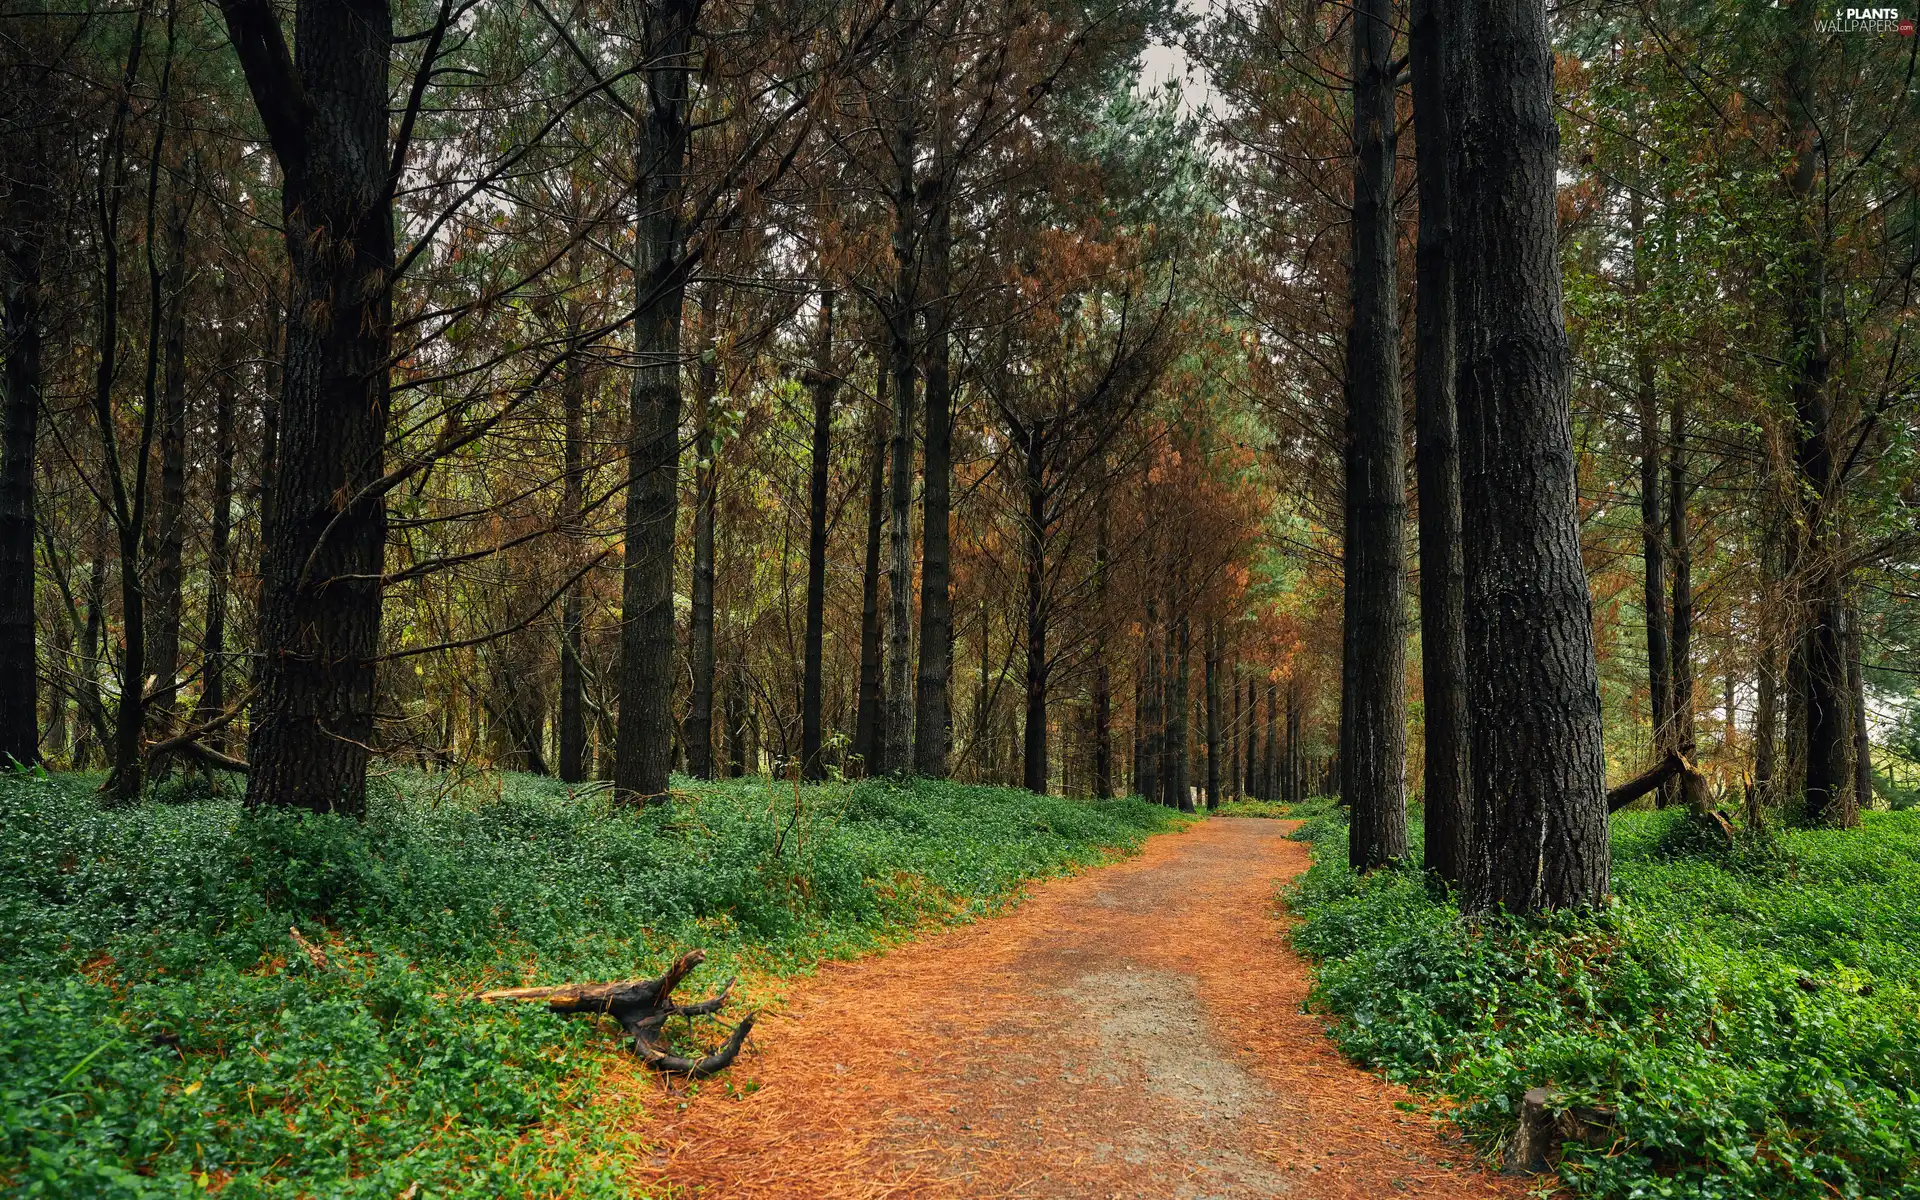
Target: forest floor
{"points": [[1133, 1031]]}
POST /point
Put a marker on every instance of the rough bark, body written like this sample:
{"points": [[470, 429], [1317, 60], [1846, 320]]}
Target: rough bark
{"points": [[1178, 705], [1820, 672], [1539, 784], [932, 703], [697, 733], [869, 726], [902, 138], [823, 383], [572, 732], [1681, 549], [643, 748], [1443, 647], [324, 532], [1373, 723], [1102, 676], [1034, 769], [1256, 787], [167, 535]]}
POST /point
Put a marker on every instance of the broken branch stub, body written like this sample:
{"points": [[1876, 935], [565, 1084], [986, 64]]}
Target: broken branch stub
{"points": [[642, 1007]]}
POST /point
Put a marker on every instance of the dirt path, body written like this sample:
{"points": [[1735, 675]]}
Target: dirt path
{"points": [[1134, 1031]]}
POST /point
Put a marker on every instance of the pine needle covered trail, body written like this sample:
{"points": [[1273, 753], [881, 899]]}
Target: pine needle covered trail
{"points": [[1134, 1031]]}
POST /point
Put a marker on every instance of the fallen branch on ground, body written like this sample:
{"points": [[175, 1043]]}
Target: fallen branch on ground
{"points": [[642, 1007], [1693, 791]]}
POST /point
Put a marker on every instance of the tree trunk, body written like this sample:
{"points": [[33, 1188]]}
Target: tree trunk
{"points": [[643, 749], [1443, 648], [869, 726], [1150, 694], [1256, 787], [324, 533], [697, 730], [166, 548], [1269, 767], [213, 648], [1213, 713], [1373, 750], [823, 383], [1653, 531], [1766, 714], [933, 700], [1236, 738], [1181, 756], [1682, 552], [1862, 740], [1034, 770], [1171, 747], [572, 730], [902, 139], [1102, 679], [1821, 673], [1539, 782], [19, 424]]}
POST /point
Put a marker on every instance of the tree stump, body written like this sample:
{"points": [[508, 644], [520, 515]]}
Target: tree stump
{"points": [[1546, 1128], [642, 1007]]}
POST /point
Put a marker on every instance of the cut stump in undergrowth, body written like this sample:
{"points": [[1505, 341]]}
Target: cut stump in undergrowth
{"points": [[642, 1006]]}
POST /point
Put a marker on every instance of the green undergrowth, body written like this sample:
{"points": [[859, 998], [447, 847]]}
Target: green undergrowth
{"points": [[161, 1034], [1752, 1017], [1253, 808]]}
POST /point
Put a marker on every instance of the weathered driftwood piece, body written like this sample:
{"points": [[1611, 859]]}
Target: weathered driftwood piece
{"points": [[642, 1007], [1547, 1126]]}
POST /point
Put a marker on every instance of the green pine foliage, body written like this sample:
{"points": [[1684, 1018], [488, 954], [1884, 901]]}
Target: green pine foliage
{"points": [[1753, 1018], [160, 1034]]}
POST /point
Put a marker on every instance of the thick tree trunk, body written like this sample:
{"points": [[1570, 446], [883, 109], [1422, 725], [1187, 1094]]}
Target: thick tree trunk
{"points": [[643, 749], [572, 731], [869, 726], [1682, 551], [167, 544], [933, 702], [1034, 771], [902, 307], [1373, 723], [324, 533], [697, 731], [823, 383], [1766, 714], [1213, 713], [1821, 674], [1443, 647], [1539, 781], [19, 425]]}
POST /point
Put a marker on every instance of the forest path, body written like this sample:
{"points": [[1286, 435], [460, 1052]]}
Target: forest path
{"points": [[1132, 1031]]}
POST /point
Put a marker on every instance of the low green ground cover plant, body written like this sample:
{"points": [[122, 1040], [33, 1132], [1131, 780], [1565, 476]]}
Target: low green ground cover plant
{"points": [[162, 1035], [1753, 1017]]}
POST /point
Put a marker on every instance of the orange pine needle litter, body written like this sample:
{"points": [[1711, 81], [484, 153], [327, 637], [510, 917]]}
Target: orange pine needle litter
{"points": [[1133, 1031]]}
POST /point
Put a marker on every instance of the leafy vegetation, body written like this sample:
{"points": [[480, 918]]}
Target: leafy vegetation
{"points": [[162, 1034], [1749, 1017]]}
